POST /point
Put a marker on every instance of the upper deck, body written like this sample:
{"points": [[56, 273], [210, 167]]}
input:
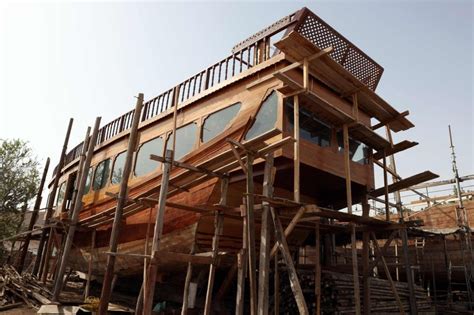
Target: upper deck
{"points": [[352, 71]]}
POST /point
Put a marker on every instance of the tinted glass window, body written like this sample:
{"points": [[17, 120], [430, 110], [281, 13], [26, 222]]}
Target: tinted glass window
{"points": [[266, 117], [87, 186], [61, 193], [101, 175], [311, 128], [117, 170], [144, 164], [216, 122], [185, 140], [358, 152]]}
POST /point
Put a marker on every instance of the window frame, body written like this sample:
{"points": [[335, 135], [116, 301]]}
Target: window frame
{"points": [[159, 167], [113, 167], [106, 181]]}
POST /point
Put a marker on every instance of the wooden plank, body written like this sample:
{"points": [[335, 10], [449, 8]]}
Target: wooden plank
{"points": [[89, 267], [401, 146], [242, 262], [251, 235], [187, 281], [388, 121], [404, 183], [366, 135], [296, 148], [317, 264]]}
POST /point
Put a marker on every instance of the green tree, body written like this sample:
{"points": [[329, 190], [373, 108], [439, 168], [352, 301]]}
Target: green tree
{"points": [[18, 184]]}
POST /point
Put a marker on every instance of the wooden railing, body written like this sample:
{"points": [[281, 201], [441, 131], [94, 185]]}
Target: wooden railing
{"points": [[245, 55]]}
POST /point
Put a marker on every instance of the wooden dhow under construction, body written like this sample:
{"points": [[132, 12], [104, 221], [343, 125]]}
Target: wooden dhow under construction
{"points": [[229, 174]]}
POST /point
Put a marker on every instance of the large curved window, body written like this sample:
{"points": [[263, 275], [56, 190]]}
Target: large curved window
{"points": [[311, 128], [266, 117], [216, 122], [117, 170], [87, 186], [101, 175], [144, 164], [185, 140], [61, 193]]}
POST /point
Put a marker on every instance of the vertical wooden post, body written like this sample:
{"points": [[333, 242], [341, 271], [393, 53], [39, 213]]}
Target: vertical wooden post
{"points": [[58, 284], [46, 256], [264, 267], [365, 259], [187, 281], [242, 261], [49, 207], [150, 282], [89, 268], [34, 217], [251, 236], [218, 225], [121, 200], [355, 269], [285, 251], [409, 275], [276, 286], [296, 148], [385, 185], [317, 282]]}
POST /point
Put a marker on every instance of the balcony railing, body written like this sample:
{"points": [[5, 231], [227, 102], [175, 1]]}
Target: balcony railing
{"points": [[245, 55]]}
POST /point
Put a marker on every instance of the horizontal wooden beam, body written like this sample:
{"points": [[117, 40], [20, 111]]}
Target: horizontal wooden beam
{"points": [[388, 121], [404, 183], [401, 146]]}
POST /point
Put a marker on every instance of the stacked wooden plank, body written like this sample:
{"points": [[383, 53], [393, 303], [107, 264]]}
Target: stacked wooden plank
{"points": [[338, 295], [17, 289]]}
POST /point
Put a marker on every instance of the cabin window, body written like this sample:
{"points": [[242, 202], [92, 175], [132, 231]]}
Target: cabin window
{"points": [[311, 128], [144, 164], [61, 193], [185, 140], [266, 117], [215, 123], [101, 175], [358, 152], [87, 186], [117, 170]]}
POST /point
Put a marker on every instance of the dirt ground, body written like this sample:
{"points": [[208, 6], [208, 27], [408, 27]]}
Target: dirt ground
{"points": [[20, 311]]}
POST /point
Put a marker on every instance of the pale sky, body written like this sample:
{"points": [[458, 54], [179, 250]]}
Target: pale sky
{"points": [[82, 60]]}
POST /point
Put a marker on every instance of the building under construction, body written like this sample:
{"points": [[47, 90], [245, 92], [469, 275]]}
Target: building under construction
{"points": [[249, 188]]}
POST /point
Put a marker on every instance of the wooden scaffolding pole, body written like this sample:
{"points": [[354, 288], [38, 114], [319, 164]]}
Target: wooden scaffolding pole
{"points": [[242, 261], [218, 226], [89, 149], [34, 217], [317, 271], [150, 282], [296, 148], [121, 201], [251, 236], [265, 237], [89, 268], [365, 259], [355, 269], [52, 195], [187, 281]]}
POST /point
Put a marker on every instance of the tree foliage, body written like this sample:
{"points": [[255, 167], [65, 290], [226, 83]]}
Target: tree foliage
{"points": [[18, 183]]}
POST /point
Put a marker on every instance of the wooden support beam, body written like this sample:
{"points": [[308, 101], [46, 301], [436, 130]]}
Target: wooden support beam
{"points": [[276, 287], [291, 226], [375, 262], [265, 237], [89, 268], [385, 185], [365, 259], [157, 234], [121, 203], [409, 275], [44, 269], [218, 226], [242, 262], [399, 147], [187, 166], [404, 183], [86, 157], [34, 217], [285, 251], [317, 277], [187, 281], [51, 199], [387, 273], [347, 170], [251, 236], [388, 121], [296, 148]]}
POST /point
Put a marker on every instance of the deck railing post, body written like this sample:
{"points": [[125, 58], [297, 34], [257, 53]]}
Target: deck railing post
{"points": [[49, 207], [121, 200]]}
